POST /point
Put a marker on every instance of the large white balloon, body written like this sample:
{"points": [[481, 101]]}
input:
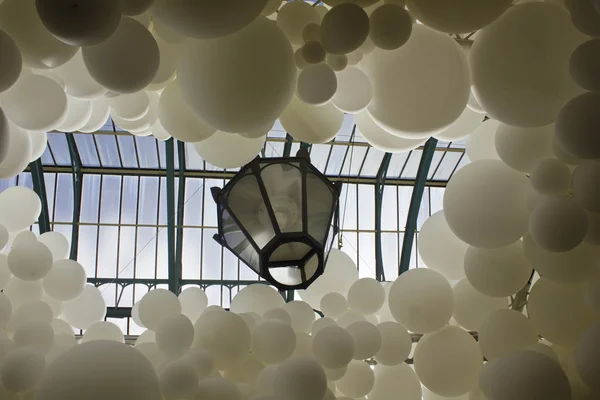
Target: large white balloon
{"points": [[82, 23], [520, 64], [302, 315], [577, 126], [127, 61], [585, 355], [20, 207], [380, 139], [20, 291], [299, 378], [497, 272], [293, 17], [4, 136], [583, 64], [464, 16], [481, 144], [395, 382], [248, 78], [466, 124], [228, 150], [193, 302], [206, 19], [523, 148], [65, 281], [367, 339], [357, 381], [471, 307], [103, 368], [412, 97], [505, 331], [440, 249], [174, 335], [130, 107], [396, 344], [366, 296], [78, 114], [559, 312], [99, 116], [311, 124], [103, 330], [333, 347], [558, 224], [39, 48], [18, 154], [256, 298], [11, 63], [550, 177], [485, 204], [273, 341], [39, 143], [78, 81], [421, 300], [354, 91], [586, 179], [22, 369], [169, 58], [85, 309], [30, 261], [156, 305], [36, 103], [344, 28]]}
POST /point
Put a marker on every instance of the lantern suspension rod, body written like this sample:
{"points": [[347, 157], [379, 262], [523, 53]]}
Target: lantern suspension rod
{"points": [[379, 187], [174, 273], [76, 170], [39, 186]]}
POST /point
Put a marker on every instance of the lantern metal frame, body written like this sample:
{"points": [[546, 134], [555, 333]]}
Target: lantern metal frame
{"points": [[319, 249]]}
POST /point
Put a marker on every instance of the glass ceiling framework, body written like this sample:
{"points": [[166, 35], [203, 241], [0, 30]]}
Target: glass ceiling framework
{"points": [[139, 212]]}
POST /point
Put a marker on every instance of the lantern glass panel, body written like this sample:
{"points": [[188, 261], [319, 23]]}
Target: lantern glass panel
{"points": [[320, 202], [291, 251], [283, 183], [294, 275]]}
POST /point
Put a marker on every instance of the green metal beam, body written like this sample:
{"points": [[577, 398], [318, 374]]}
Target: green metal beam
{"points": [[415, 204], [180, 208], [379, 187], [287, 147], [174, 273], [76, 170], [39, 186]]}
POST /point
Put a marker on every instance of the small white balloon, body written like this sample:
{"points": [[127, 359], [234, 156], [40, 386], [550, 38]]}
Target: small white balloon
{"points": [[577, 124], [310, 123], [396, 344], [174, 335], [333, 347], [65, 281], [293, 17], [367, 339], [99, 116], [156, 305], [523, 148], [585, 185], [57, 243], [78, 114], [583, 64], [193, 302], [392, 382], [585, 354], [299, 378], [20, 291], [30, 261], [390, 26], [333, 305], [464, 125], [551, 177], [178, 380], [366, 296], [584, 15], [228, 150], [380, 139], [302, 315], [344, 28], [317, 84], [22, 369], [481, 144], [357, 381], [472, 307], [11, 64], [39, 143], [20, 207], [18, 154], [130, 106], [505, 331], [273, 341], [256, 298], [103, 330], [84, 310]]}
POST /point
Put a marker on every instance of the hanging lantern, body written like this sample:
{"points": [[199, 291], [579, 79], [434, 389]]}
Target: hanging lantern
{"points": [[280, 217]]}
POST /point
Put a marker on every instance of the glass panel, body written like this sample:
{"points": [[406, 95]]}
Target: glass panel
{"points": [[111, 199], [437, 199], [389, 248], [148, 201], [193, 201], [108, 242], [295, 276], [354, 160], [210, 208], [283, 183], [211, 256], [147, 152], [86, 249], [372, 163], [87, 150], [319, 153], [336, 159], [162, 255], [366, 205], [435, 161], [60, 148], [366, 251], [131, 187], [396, 165], [192, 249], [412, 166], [319, 207], [192, 159], [404, 197], [293, 251], [447, 165], [237, 241], [423, 209], [90, 198], [107, 148], [64, 199], [127, 249], [348, 207], [145, 263], [389, 209], [128, 152]]}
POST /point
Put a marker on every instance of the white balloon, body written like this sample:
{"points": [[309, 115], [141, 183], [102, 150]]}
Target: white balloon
{"points": [[313, 52], [473, 104], [337, 62], [583, 64], [497, 272], [390, 26], [39, 48], [440, 249], [78, 114], [559, 312], [273, 341], [366, 296], [4, 236], [311, 124], [399, 381], [99, 116], [228, 150], [65, 281], [20, 207], [193, 302], [585, 354], [358, 380], [135, 7], [127, 61], [584, 15], [12, 62], [333, 305], [104, 368], [156, 305], [317, 84], [103, 330], [333, 347], [550, 177], [178, 380], [248, 77], [18, 152], [396, 344], [464, 125], [481, 144], [35, 103], [85, 309], [448, 361], [299, 378], [205, 19], [558, 224], [411, 96], [577, 124], [472, 307], [344, 28], [302, 315], [528, 44], [421, 300], [367, 339], [4, 136], [494, 212], [130, 107], [585, 185], [504, 332], [174, 335], [30, 261], [256, 298], [593, 232], [159, 132], [20, 291], [39, 143], [380, 139], [202, 361], [169, 58], [523, 148], [57, 243], [21, 370], [293, 17]]}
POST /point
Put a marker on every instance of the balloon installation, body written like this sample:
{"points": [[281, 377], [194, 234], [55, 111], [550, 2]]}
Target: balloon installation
{"points": [[507, 303]]}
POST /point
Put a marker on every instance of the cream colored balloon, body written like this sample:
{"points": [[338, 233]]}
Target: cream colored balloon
{"points": [[20, 207], [255, 99], [39, 48], [333, 347], [98, 117], [472, 307], [273, 341], [39, 143], [504, 332], [333, 305], [584, 16], [135, 7], [22, 369], [380, 139], [127, 61], [293, 17], [317, 84], [396, 344], [130, 107], [256, 298], [30, 261], [583, 64], [585, 185], [81, 23], [577, 124], [337, 62], [170, 54], [395, 382], [401, 104], [144, 124], [536, 39], [390, 26], [299, 378], [302, 315], [559, 312], [206, 19], [422, 300], [175, 335], [35, 103], [313, 52], [440, 249], [558, 224], [465, 125], [79, 113], [357, 381], [159, 132], [354, 91], [481, 144], [311, 124], [523, 148], [494, 214], [366, 296], [103, 330], [17, 157], [367, 339], [550, 177], [228, 150], [84, 310], [497, 272], [4, 136], [585, 354], [11, 63], [344, 28]]}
